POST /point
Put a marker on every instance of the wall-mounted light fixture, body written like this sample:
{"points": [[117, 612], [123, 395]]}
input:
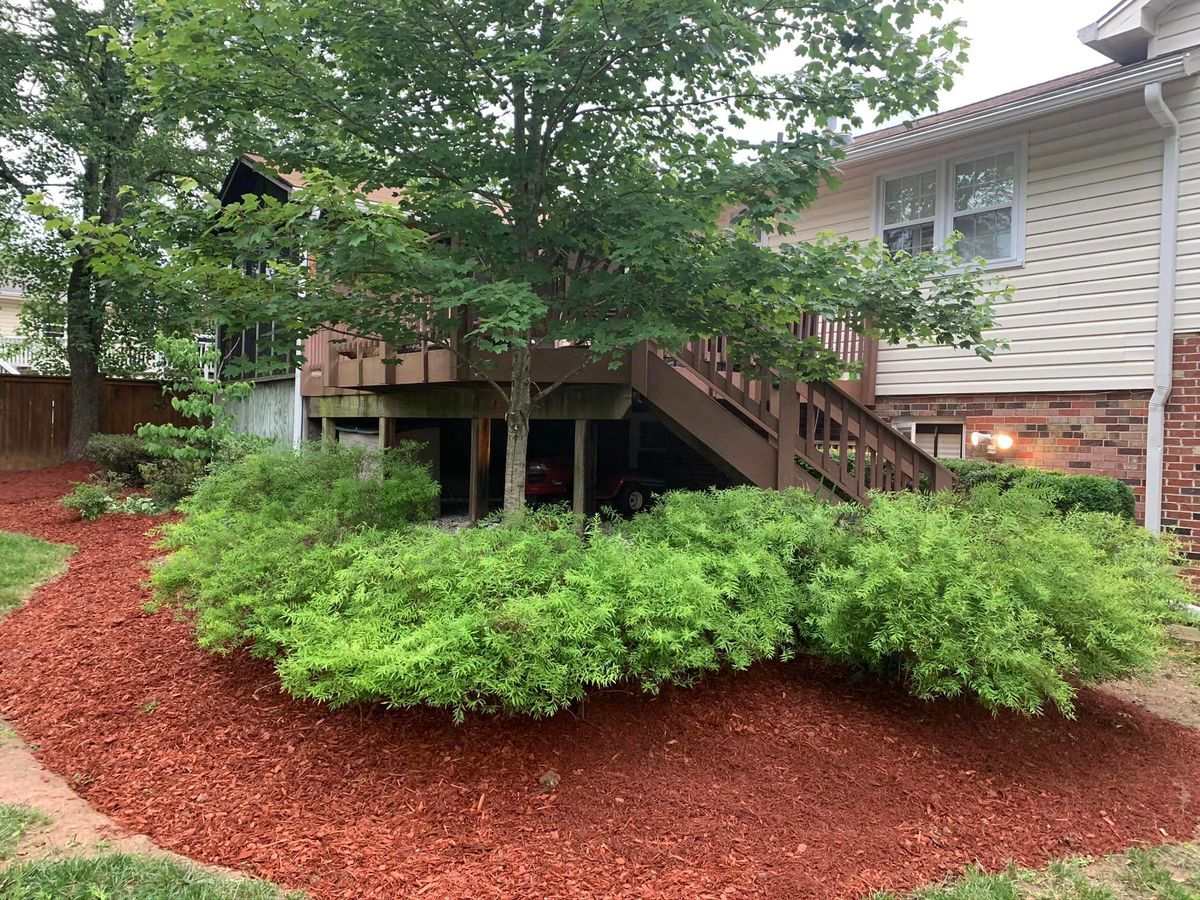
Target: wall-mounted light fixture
{"points": [[995, 443]]}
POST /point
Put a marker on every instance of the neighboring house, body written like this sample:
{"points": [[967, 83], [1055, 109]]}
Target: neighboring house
{"points": [[1084, 192], [11, 361]]}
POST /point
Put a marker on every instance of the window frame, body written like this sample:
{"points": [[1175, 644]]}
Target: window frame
{"points": [[907, 426], [943, 214]]}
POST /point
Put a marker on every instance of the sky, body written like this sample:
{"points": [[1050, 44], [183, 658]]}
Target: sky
{"points": [[1014, 43]]}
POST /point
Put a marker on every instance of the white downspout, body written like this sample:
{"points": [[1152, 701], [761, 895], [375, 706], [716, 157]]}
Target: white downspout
{"points": [[1164, 337], [298, 420]]}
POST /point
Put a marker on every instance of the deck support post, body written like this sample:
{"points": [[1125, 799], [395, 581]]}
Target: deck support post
{"points": [[583, 500], [328, 430], [386, 424], [789, 433], [481, 462]]}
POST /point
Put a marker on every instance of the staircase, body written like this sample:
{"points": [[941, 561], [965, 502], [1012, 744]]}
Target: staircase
{"points": [[778, 433]]}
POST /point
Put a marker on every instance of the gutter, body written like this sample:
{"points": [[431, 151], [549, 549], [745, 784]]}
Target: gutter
{"points": [[1164, 335], [1122, 81]]}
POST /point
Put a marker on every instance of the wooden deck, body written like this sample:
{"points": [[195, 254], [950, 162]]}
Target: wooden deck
{"points": [[776, 433]]}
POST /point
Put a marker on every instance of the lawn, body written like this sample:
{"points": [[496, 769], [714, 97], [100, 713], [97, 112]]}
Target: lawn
{"points": [[121, 876], [26, 562], [1159, 873]]}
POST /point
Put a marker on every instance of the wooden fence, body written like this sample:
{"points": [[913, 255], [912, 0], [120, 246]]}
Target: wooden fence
{"points": [[35, 416]]}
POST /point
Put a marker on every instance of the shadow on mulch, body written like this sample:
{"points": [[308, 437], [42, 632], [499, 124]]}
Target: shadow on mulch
{"points": [[786, 781]]}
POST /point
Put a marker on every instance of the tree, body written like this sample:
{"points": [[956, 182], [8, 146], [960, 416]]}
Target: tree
{"points": [[76, 129], [564, 169]]}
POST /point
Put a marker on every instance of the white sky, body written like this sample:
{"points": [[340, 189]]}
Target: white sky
{"points": [[1014, 43]]}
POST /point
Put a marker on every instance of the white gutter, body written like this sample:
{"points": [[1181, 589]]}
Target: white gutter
{"points": [[1119, 82], [1164, 336]]}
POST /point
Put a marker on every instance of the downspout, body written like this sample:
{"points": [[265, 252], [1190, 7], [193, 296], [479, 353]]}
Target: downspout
{"points": [[1164, 337]]}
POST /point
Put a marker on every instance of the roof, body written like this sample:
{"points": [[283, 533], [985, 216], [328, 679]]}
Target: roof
{"points": [[1092, 85], [291, 181], [997, 102], [1125, 31]]}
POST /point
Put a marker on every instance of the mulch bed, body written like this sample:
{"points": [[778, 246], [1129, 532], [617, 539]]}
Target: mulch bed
{"points": [[788, 781]]}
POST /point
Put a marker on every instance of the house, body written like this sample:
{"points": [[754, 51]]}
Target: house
{"points": [[1083, 192], [653, 419], [12, 360]]}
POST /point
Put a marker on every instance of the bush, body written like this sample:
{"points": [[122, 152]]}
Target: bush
{"points": [[1086, 493], [251, 525], [996, 595], [522, 617], [170, 480], [311, 559], [121, 455], [91, 498]]}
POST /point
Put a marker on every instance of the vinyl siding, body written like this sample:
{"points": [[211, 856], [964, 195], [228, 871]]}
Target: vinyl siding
{"points": [[1083, 313], [1177, 27], [1184, 100], [9, 307]]}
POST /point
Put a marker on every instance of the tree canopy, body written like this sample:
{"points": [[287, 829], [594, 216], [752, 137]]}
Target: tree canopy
{"points": [[566, 169], [78, 127]]}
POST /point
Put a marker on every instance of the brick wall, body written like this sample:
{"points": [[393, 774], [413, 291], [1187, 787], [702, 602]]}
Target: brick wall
{"points": [[1086, 433], [1181, 451]]}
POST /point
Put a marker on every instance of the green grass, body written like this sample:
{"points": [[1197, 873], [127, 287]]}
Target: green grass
{"points": [[119, 876], [1160, 873], [25, 562], [14, 822]]}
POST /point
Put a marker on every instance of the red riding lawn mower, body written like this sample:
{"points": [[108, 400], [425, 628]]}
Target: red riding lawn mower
{"points": [[550, 479]]}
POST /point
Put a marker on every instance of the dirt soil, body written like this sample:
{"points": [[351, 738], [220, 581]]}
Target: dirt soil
{"points": [[74, 826], [787, 781], [1172, 692]]}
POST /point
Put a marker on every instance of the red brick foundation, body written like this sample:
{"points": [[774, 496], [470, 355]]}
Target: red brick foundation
{"points": [[1085, 433], [1181, 450]]}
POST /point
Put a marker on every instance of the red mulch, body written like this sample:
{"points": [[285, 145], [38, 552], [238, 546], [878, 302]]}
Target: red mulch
{"points": [[787, 781]]}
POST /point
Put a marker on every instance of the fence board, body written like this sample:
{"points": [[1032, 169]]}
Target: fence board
{"points": [[35, 416]]}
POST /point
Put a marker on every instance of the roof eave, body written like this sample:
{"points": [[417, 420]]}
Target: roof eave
{"points": [[1120, 82]]}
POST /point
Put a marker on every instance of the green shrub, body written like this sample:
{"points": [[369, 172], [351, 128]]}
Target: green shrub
{"points": [[91, 498], [1086, 493], [310, 559], [121, 455], [996, 595], [251, 525], [169, 480]]}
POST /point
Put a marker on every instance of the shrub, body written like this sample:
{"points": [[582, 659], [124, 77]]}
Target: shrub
{"points": [[997, 595], [252, 525], [523, 617], [310, 559], [169, 480], [91, 498], [121, 455], [1086, 493]]}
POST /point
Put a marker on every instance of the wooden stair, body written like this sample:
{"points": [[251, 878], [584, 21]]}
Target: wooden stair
{"points": [[780, 434]]}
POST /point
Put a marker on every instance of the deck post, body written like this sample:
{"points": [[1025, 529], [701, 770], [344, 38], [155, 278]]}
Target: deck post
{"points": [[328, 430], [789, 432], [583, 500], [481, 461], [385, 432]]}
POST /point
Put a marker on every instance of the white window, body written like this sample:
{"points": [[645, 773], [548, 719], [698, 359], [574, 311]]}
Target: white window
{"points": [[979, 195], [942, 438]]}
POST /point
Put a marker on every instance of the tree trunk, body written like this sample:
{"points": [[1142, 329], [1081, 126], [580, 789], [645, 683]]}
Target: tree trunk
{"points": [[517, 420], [83, 343]]}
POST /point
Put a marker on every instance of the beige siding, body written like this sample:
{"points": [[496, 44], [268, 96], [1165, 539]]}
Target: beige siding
{"points": [[1184, 100], [1083, 314], [1177, 27], [9, 307]]}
